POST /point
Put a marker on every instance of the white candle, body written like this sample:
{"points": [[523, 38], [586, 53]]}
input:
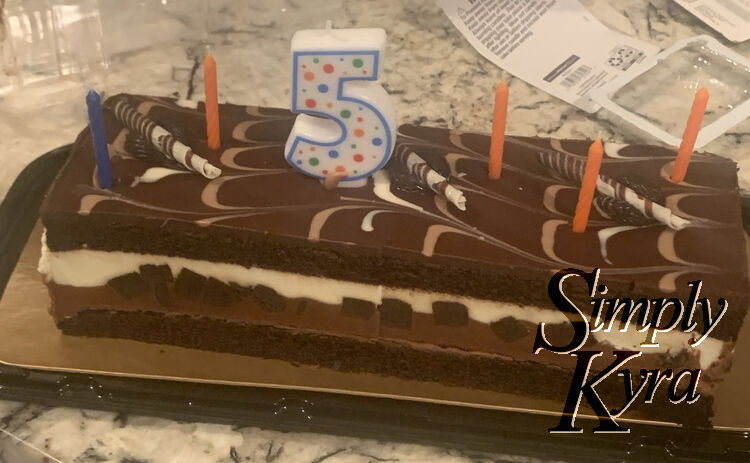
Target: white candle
{"points": [[348, 123]]}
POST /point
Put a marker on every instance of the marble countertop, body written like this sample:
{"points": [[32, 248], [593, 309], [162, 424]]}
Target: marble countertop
{"points": [[435, 78], [32, 433]]}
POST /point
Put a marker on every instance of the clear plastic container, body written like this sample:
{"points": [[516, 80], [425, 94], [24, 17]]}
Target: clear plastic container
{"points": [[51, 51], [659, 97], [48, 49]]}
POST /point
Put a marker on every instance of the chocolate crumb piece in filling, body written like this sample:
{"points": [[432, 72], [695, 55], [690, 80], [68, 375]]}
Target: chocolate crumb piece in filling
{"points": [[357, 308], [189, 284], [395, 313], [450, 313]]}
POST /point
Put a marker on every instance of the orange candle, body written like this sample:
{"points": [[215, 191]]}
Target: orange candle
{"points": [[212, 102], [333, 179], [688, 137], [498, 130], [588, 186]]}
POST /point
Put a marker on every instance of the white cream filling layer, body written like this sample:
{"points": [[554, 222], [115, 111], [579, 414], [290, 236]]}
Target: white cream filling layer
{"points": [[86, 268]]}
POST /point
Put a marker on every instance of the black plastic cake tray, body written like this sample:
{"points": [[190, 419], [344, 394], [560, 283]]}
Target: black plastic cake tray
{"points": [[517, 429]]}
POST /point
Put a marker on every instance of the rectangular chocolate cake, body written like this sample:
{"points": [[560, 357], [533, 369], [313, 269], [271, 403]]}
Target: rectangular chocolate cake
{"points": [[389, 278]]}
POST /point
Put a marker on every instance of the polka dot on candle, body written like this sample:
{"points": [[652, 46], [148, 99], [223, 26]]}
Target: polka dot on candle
{"points": [[377, 128], [299, 161], [346, 114], [328, 68], [329, 104], [313, 161], [312, 148], [309, 75], [300, 151], [323, 88], [359, 132], [316, 60], [340, 168], [324, 171], [360, 108], [358, 158], [333, 153], [357, 62], [377, 141], [359, 119], [364, 72], [354, 145], [304, 66], [310, 103]]}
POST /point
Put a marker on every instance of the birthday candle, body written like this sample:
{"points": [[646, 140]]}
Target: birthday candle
{"points": [[334, 74], [688, 137], [498, 131], [588, 186], [99, 139], [212, 102], [333, 179]]}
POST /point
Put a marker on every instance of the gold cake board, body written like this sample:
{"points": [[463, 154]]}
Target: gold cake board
{"points": [[30, 339]]}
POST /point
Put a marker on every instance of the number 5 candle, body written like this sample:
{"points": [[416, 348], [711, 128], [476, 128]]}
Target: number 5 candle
{"points": [[347, 124]]}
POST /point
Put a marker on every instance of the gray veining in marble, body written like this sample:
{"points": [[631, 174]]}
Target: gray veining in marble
{"points": [[435, 78], [83, 436]]}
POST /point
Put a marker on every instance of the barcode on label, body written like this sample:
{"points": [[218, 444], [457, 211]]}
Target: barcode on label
{"points": [[574, 77]]}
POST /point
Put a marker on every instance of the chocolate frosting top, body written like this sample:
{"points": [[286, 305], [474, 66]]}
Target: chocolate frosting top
{"points": [[520, 222]]}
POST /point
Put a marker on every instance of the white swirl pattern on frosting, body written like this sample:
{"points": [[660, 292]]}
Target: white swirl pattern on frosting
{"points": [[154, 174], [367, 220], [606, 233], [439, 223]]}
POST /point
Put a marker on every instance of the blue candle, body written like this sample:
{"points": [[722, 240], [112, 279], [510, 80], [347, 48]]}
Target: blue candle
{"points": [[99, 139]]}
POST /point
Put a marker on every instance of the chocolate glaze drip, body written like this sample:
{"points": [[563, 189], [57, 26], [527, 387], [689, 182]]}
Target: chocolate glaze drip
{"points": [[519, 224]]}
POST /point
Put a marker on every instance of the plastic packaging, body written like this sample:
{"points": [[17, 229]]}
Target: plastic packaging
{"points": [[657, 96]]}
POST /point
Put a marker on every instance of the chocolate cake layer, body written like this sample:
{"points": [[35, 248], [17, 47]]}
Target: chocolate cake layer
{"points": [[508, 337], [514, 235], [152, 305], [385, 357]]}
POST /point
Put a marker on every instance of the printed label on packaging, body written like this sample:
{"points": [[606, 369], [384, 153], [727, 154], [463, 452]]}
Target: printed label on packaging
{"points": [[730, 18], [556, 45]]}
